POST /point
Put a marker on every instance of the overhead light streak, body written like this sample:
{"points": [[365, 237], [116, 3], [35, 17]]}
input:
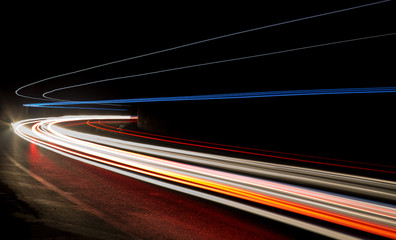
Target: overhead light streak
{"points": [[192, 44], [220, 61], [228, 96]]}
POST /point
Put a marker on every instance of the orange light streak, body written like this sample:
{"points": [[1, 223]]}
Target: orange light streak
{"points": [[206, 184]]}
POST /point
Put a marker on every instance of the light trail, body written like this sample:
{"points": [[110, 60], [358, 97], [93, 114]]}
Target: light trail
{"points": [[234, 95], [220, 174], [245, 95], [194, 43], [258, 152], [104, 125]]}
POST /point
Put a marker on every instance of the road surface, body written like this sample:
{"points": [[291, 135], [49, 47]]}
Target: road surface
{"points": [[112, 188]]}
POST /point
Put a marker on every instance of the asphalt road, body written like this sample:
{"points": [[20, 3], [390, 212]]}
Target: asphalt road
{"points": [[46, 195]]}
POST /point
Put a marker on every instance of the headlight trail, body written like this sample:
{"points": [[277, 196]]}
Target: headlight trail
{"points": [[234, 177], [194, 43]]}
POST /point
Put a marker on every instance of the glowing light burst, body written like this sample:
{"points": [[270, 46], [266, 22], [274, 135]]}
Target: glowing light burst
{"points": [[210, 172]]}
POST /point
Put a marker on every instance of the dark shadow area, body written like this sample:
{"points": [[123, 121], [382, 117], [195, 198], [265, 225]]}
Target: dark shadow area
{"points": [[354, 127]]}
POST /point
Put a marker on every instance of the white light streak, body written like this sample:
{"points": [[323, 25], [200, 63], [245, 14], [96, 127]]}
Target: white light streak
{"points": [[191, 44], [202, 170]]}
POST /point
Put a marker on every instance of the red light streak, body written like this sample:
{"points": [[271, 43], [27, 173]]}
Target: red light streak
{"points": [[303, 201], [230, 146], [241, 151]]}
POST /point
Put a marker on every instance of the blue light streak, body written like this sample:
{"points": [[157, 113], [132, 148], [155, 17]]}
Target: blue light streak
{"points": [[224, 96], [218, 62], [191, 44]]}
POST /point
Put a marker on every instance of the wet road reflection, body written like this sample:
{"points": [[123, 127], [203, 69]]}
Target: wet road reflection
{"points": [[124, 204]]}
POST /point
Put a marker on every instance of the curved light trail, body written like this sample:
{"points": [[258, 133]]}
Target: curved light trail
{"points": [[105, 125], [256, 152], [220, 61], [233, 177], [192, 44], [241, 183], [245, 95]]}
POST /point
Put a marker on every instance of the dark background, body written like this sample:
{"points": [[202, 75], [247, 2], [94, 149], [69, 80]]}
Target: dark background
{"points": [[46, 42], [43, 41]]}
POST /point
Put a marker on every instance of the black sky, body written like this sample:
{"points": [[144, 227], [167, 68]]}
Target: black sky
{"points": [[43, 42]]}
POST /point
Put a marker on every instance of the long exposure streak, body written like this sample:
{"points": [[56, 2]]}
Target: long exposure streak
{"points": [[196, 43], [312, 193], [286, 93], [205, 171], [231, 148]]}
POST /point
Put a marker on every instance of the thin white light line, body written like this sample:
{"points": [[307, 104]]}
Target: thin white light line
{"points": [[191, 44], [244, 207], [217, 62]]}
